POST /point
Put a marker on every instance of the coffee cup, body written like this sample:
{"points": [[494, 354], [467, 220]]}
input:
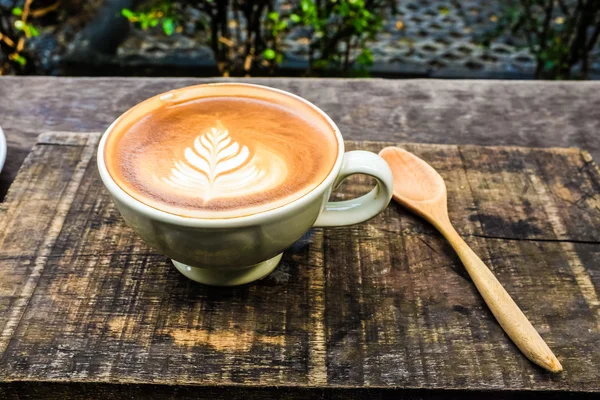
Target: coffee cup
{"points": [[219, 228]]}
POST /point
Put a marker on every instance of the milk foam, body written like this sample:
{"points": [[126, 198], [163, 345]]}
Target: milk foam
{"points": [[215, 166], [220, 152]]}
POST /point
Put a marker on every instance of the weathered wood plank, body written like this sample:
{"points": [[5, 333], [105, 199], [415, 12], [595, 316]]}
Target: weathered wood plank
{"points": [[32, 218], [380, 305]]}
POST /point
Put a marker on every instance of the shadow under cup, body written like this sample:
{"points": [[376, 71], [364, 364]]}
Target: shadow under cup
{"points": [[234, 251]]}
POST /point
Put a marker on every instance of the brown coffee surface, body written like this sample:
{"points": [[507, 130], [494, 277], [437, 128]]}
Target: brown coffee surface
{"points": [[223, 155]]}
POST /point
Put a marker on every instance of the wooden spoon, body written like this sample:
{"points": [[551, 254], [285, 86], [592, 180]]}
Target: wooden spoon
{"points": [[418, 187]]}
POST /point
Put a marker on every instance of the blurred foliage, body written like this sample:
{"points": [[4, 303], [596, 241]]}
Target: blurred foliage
{"points": [[21, 24], [15, 30], [162, 13], [247, 36], [560, 33], [339, 30], [219, 22]]}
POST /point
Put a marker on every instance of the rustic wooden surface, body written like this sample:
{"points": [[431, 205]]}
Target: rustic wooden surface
{"points": [[490, 113], [376, 310]]}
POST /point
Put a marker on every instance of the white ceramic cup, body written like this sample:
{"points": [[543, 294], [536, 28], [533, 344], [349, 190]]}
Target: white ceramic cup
{"points": [[235, 251]]}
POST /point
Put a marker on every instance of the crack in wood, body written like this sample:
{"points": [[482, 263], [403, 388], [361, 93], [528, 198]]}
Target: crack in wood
{"points": [[582, 277], [533, 239], [62, 144]]}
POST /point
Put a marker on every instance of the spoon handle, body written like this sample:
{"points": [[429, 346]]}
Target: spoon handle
{"points": [[509, 315]]}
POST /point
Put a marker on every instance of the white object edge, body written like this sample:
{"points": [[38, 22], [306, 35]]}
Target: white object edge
{"points": [[2, 149]]}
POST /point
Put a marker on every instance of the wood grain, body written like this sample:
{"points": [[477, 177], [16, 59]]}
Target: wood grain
{"points": [[378, 310]]}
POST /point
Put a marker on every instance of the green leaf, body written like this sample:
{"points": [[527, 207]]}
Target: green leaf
{"points": [[168, 26], [365, 58], [20, 25], [20, 60], [273, 16], [320, 64], [33, 30], [295, 18], [359, 25], [269, 54], [279, 58], [281, 25], [307, 6], [17, 11], [548, 65], [344, 9], [154, 22], [127, 13]]}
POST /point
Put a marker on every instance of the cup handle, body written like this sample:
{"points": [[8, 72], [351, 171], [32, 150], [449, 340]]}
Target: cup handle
{"points": [[349, 212]]}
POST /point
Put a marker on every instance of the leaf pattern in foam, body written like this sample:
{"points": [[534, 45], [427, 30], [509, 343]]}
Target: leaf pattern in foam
{"points": [[218, 166]]}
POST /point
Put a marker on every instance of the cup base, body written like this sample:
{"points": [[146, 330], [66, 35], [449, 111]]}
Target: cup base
{"points": [[215, 277]]}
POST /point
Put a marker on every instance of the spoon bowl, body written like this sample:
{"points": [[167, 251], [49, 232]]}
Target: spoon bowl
{"points": [[414, 179]]}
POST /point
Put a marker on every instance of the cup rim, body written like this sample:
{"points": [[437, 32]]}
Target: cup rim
{"points": [[252, 219]]}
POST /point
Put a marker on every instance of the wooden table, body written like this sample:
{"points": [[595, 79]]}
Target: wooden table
{"points": [[530, 114], [107, 317]]}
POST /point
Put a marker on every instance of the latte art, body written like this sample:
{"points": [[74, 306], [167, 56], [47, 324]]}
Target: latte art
{"points": [[221, 151], [215, 166]]}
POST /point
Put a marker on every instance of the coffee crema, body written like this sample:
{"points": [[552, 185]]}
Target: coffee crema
{"points": [[220, 151]]}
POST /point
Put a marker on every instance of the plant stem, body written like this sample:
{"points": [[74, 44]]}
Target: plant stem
{"points": [[549, 8], [579, 42]]}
